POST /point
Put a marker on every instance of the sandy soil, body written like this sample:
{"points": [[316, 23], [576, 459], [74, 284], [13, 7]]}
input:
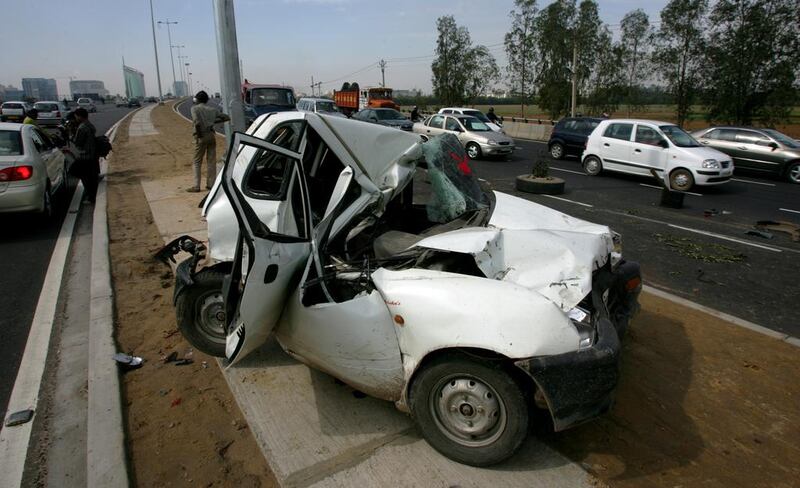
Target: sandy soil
{"points": [[183, 425]]}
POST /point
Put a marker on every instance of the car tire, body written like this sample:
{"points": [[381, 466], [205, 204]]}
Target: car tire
{"points": [[793, 172], [482, 394], [200, 312], [592, 165], [681, 180], [556, 150], [46, 213], [474, 151]]}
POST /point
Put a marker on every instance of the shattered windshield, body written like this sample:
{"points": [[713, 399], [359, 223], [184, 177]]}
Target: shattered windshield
{"points": [[455, 186]]}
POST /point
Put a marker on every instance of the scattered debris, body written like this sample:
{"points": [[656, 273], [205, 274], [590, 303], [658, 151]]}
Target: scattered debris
{"points": [[709, 253], [173, 356], [710, 212], [701, 277], [184, 362], [163, 392], [759, 233], [175, 402], [126, 362], [204, 364], [168, 334], [780, 226], [19, 418]]}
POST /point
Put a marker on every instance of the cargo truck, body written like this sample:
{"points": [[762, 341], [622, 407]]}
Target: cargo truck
{"points": [[351, 98]]}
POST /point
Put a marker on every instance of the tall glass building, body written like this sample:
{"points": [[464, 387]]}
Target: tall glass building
{"points": [[40, 88], [134, 82]]}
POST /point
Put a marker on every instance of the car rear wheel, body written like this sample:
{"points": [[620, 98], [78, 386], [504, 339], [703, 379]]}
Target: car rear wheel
{"points": [[592, 166], [556, 150], [793, 173], [473, 150], [200, 311], [681, 180], [471, 411], [47, 203]]}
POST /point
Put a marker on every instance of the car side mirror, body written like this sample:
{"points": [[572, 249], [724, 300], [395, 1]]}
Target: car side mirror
{"points": [[374, 119], [773, 145], [663, 143]]}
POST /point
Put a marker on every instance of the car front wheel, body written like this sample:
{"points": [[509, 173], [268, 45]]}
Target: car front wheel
{"points": [[556, 150], [200, 310], [793, 173], [473, 150], [681, 180], [471, 411]]}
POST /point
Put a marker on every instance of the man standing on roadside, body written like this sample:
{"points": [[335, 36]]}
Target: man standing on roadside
{"points": [[205, 142], [86, 165]]}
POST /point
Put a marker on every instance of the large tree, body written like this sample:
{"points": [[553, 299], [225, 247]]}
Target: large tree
{"points": [[607, 83], [678, 53], [520, 45], [752, 56], [460, 71], [635, 29]]}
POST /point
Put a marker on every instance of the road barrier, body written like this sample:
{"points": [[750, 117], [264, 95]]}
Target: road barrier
{"points": [[520, 128]]}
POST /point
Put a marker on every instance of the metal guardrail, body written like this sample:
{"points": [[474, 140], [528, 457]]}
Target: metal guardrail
{"points": [[523, 120]]}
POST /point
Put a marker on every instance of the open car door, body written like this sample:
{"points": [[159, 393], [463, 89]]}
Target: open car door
{"points": [[268, 262]]}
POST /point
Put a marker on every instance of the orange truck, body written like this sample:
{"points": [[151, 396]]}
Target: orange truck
{"points": [[351, 98]]}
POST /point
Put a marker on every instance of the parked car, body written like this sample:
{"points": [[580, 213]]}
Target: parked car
{"points": [[32, 170], [134, 102], [639, 146], [476, 137], [569, 136], [466, 309], [764, 150], [14, 111], [384, 116], [319, 105], [87, 104], [50, 113], [120, 102], [475, 113]]}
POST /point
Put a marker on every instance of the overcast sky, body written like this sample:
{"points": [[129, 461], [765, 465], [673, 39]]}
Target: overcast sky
{"points": [[280, 41]]}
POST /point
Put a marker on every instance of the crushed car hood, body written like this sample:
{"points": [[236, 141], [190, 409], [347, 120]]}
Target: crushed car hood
{"points": [[533, 246]]}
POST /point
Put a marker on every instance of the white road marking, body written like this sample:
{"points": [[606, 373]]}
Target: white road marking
{"points": [[720, 236], [753, 182], [568, 171], [25, 395], [789, 210], [570, 201], [660, 188]]}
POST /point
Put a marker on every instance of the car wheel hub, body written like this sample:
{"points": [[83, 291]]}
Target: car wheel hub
{"points": [[555, 151], [472, 151], [794, 174], [211, 316], [681, 180], [591, 166], [468, 411]]}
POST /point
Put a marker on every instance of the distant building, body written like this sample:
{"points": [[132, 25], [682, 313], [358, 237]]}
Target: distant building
{"points": [[11, 93], [93, 89], [40, 88], [180, 89], [134, 82]]}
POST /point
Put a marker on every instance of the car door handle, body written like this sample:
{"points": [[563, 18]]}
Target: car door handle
{"points": [[606, 144], [637, 150], [742, 148], [704, 142]]}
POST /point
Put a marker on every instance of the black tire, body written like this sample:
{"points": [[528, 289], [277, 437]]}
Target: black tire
{"points": [[481, 388], [556, 150], [592, 165], [681, 180], [474, 151], [200, 312], [47, 203], [793, 172]]}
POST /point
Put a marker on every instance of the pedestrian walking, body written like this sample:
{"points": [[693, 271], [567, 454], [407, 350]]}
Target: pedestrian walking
{"points": [[205, 142], [415, 114], [31, 117], [87, 164]]}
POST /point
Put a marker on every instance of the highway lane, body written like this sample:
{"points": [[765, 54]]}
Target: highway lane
{"points": [[25, 247]]}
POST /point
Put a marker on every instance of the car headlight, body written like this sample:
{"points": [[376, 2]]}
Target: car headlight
{"points": [[617, 239], [491, 142], [711, 164], [582, 321]]}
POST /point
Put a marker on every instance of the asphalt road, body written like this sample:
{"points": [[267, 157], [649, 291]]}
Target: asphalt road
{"points": [[26, 243]]}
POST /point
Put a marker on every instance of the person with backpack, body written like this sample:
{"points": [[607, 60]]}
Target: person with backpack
{"points": [[87, 163], [205, 142]]}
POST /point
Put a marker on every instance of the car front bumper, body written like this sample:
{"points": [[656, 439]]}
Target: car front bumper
{"points": [[496, 149], [712, 176], [578, 386]]}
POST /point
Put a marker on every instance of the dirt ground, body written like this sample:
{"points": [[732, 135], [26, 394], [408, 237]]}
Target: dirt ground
{"points": [[701, 403], [183, 425]]}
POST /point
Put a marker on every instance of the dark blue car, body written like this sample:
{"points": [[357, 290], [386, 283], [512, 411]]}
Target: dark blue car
{"points": [[260, 100], [569, 136]]}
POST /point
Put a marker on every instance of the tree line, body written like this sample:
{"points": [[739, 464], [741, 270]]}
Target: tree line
{"points": [[740, 59]]}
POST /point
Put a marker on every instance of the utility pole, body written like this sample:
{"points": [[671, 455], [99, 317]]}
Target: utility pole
{"points": [[180, 68], [228, 60], [172, 60], [382, 64], [312, 85], [574, 78], [155, 50]]}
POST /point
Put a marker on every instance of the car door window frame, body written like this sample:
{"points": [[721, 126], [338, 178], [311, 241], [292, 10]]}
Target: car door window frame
{"points": [[455, 123], [436, 118], [656, 141], [607, 132]]}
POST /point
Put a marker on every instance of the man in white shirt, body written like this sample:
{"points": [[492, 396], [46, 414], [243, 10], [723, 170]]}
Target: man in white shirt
{"points": [[205, 142]]}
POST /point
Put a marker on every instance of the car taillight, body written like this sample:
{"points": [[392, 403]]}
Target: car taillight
{"points": [[17, 173]]}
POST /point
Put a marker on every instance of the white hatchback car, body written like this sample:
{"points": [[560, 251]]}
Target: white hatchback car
{"points": [[88, 104], [50, 113], [32, 170], [319, 106], [639, 146]]}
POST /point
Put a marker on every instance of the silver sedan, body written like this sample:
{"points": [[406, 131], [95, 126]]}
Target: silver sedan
{"points": [[32, 170], [476, 137]]}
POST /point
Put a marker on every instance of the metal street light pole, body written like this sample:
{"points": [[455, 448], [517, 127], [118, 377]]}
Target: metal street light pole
{"points": [[172, 60], [228, 60], [180, 70], [155, 50]]}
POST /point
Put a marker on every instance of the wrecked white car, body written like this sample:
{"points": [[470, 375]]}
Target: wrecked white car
{"points": [[384, 262]]}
